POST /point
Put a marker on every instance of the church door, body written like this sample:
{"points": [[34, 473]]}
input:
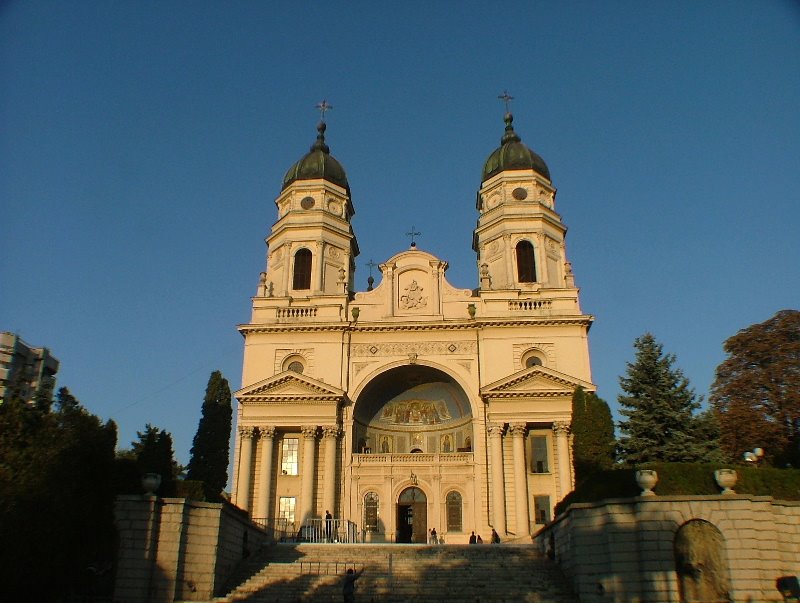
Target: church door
{"points": [[412, 521]]}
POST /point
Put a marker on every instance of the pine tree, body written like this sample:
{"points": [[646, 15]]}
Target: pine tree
{"points": [[211, 444], [658, 404], [593, 443], [154, 454]]}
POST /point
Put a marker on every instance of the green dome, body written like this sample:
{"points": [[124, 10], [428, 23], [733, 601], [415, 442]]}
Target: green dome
{"points": [[513, 155], [318, 163]]}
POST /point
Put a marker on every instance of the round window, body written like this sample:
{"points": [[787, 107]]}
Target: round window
{"points": [[296, 367], [519, 194], [307, 202]]}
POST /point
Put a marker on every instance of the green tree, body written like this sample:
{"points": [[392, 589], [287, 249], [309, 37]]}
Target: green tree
{"points": [[154, 454], [593, 445], [658, 405], [211, 444], [756, 392], [56, 498]]}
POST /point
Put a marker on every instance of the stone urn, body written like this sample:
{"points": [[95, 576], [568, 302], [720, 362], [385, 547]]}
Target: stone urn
{"points": [[647, 480], [726, 479], [150, 483]]}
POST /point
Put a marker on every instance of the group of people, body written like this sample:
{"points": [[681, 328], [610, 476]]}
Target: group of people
{"points": [[434, 538], [473, 539]]}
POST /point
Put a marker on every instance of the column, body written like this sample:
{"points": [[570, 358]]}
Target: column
{"points": [[267, 436], [319, 264], [498, 480], [511, 264], [561, 429], [246, 435], [518, 432], [329, 436], [307, 483]]}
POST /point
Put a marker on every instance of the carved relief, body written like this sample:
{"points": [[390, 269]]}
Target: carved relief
{"points": [[561, 428], [413, 297], [309, 431], [429, 348], [518, 429], [334, 252]]}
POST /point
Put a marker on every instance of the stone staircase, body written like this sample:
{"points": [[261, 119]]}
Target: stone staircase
{"points": [[394, 573]]}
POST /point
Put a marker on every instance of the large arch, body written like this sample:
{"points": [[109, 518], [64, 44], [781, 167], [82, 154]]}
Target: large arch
{"points": [[412, 408]]}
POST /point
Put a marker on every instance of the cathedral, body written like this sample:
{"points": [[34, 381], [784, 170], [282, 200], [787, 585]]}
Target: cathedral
{"points": [[412, 405]]}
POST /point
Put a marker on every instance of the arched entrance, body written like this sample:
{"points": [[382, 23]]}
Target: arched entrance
{"points": [[412, 516]]}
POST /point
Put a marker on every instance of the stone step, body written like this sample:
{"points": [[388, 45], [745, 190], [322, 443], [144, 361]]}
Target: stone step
{"points": [[464, 573]]}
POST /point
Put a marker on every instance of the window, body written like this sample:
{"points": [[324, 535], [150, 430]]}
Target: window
{"points": [[302, 270], [286, 506], [526, 264], [371, 512], [533, 361], [295, 366], [453, 503], [289, 456], [539, 462], [541, 504]]}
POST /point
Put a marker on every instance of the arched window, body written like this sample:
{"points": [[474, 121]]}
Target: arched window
{"points": [[371, 512], [302, 270], [453, 502], [533, 361], [526, 263]]}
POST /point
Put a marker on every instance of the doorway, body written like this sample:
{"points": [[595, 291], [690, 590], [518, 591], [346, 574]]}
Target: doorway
{"points": [[412, 516]]}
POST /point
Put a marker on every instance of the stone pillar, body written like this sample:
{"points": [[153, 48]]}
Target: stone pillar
{"points": [[511, 264], [518, 432], [561, 429], [498, 479], [307, 472], [246, 435], [267, 436], [329, 436]]}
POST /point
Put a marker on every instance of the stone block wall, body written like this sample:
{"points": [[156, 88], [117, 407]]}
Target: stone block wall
{"points": [[623, 550], [173, 549]]}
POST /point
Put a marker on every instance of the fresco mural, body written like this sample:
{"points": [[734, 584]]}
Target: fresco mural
{"points": [[426, 404]]}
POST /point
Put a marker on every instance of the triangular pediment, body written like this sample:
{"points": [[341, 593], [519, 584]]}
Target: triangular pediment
{"points": [[289, 385], [535, 381]]}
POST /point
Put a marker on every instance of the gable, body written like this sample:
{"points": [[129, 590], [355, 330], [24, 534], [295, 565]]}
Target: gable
{"points": [[535, 381], [289, 386]]}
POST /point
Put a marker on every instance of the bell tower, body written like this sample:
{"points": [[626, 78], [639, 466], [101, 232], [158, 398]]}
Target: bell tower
{"points": [[312, 247], [519, 238]]}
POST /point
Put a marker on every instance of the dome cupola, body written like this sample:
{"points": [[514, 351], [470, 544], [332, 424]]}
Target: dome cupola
{"points": [[512, 154], [318, 163]]}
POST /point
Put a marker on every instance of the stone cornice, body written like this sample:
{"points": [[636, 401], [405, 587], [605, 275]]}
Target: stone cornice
{"points": [[388, 327]]}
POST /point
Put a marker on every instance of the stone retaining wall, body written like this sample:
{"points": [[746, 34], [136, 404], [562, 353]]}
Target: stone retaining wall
{"points": [[622, 550], [173, 549]]}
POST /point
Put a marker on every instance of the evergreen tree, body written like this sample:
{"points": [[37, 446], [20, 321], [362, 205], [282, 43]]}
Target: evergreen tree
{"points": [[154, 454], [211, 444], [658, 405], [593, 443], [756, 393]]}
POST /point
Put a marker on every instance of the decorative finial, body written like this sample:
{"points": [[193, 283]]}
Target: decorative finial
{"points": [[323, 107], [506, 98], [413, 234]]}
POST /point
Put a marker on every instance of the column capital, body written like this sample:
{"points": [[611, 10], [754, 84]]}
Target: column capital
{"points": [[495, 429], [309, 432], [247, 432], [518, 430], [267, 431], [561, 428], [331, 431]]}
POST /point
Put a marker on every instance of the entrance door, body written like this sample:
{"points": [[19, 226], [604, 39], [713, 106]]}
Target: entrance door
{"points": [[412, 520]]}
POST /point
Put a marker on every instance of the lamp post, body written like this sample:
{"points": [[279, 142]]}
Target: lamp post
{"points": [[754, 456]]}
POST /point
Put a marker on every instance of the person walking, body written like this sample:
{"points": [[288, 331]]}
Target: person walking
{"points": [[349, 586]]}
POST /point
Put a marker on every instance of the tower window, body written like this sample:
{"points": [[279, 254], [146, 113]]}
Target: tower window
{"points": [[302, 270], [526, 264]]}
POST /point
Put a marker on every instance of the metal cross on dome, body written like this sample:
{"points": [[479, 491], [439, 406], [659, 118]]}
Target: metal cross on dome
{"points": [[323, 107], [506, 98], [412, 234], [371, 265]]}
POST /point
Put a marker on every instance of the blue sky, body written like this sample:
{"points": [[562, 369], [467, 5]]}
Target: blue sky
{"points": [[142, 145]]}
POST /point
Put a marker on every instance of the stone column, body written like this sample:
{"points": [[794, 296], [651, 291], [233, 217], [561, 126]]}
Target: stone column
{"points": [[329, 436], [561, 429], [518, 432], [511, 263], [498, 479], [307, 472], [267, 436], [246, 435]]}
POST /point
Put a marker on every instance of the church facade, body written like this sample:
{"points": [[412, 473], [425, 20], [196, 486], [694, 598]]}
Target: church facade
{"points": [[412, 405]]}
